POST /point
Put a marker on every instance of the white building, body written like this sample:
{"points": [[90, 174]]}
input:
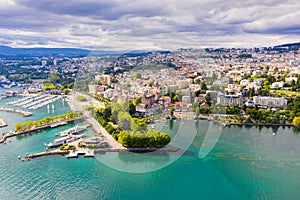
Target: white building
{"points": [[186, 99], [44, 63], [229, 100], [278, 102], [277, 85]]}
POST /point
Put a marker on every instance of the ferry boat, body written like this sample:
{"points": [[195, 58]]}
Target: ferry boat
{"points": [[63, 140], [74, 130]]}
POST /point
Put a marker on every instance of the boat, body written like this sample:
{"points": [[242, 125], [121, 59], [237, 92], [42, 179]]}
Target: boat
{"points": [[63, 140], [52, 106], [74, 130]]}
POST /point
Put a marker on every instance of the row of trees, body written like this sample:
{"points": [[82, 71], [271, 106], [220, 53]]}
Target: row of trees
{"points": [[47, 120]]}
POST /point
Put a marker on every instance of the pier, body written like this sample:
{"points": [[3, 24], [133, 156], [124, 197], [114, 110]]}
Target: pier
{"points": [[46, 153], [21, 112]]}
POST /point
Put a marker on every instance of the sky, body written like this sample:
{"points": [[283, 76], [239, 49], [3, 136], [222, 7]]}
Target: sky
{"points": [[148, 24]]}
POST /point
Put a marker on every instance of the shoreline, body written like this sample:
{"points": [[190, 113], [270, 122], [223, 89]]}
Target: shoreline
{"points": [[225, 124]]}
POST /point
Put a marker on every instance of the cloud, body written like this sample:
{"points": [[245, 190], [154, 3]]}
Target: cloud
{"points": [[91, 23]]}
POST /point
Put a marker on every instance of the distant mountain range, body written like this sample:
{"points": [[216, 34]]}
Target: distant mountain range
{"points": [[6, 51], [9, 52]]}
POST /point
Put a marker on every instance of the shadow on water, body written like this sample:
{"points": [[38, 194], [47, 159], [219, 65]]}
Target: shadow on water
{"points": [[296, 130], [275, 129], [171, 123]]}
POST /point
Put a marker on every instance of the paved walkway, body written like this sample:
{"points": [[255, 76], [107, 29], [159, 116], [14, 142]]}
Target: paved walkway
{"points": [[77, 105]]}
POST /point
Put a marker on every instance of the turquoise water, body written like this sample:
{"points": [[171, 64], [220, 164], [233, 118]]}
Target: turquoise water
{"points": [[246, 163]]}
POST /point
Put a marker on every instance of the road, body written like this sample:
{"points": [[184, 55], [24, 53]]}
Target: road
{"points": [[76, 105]]}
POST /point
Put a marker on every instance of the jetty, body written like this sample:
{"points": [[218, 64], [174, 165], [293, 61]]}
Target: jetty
{"points": [[45, 153], [21, 112], [69, 153]]}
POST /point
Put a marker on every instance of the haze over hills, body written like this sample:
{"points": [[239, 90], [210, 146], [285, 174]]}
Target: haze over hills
{"points": [[10, 52], [6, 51]]}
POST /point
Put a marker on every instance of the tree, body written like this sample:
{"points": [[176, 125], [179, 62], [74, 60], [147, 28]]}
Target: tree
{"points": [[197, 112], [244, 107], [203, 86], [178, 95], [131, 108], [124, 121], [171, 95], [67, 90], [137, 100], [208, 99], [138, 125], [197, 93], [137, 75], [171, 111], [55, 78], [115, 109], [296, 122]]}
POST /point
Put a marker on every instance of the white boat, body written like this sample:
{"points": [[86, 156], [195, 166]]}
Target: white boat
{"points": [[63, 140], [48, 107], [74, 130], [52, 106]]}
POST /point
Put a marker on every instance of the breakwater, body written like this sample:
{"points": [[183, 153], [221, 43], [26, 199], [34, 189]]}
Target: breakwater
{"points": [[21, 112], [46, 153]]}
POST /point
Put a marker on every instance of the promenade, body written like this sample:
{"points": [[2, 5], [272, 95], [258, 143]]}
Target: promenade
{"points": [[78, 106]]}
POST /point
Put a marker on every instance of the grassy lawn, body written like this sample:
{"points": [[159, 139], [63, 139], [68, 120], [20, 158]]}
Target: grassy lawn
{"points": [[286, 93]]}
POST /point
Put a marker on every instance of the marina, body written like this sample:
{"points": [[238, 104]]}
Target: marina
{"points": [[35, 102]]}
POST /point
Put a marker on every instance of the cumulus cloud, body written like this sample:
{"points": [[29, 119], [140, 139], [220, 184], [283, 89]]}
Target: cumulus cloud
{"points": [[129, 23]]}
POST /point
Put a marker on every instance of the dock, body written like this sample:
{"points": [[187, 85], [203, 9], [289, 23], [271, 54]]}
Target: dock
{"points": [[21, 112], [35, 102], [76, 152], [46, 153]]}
